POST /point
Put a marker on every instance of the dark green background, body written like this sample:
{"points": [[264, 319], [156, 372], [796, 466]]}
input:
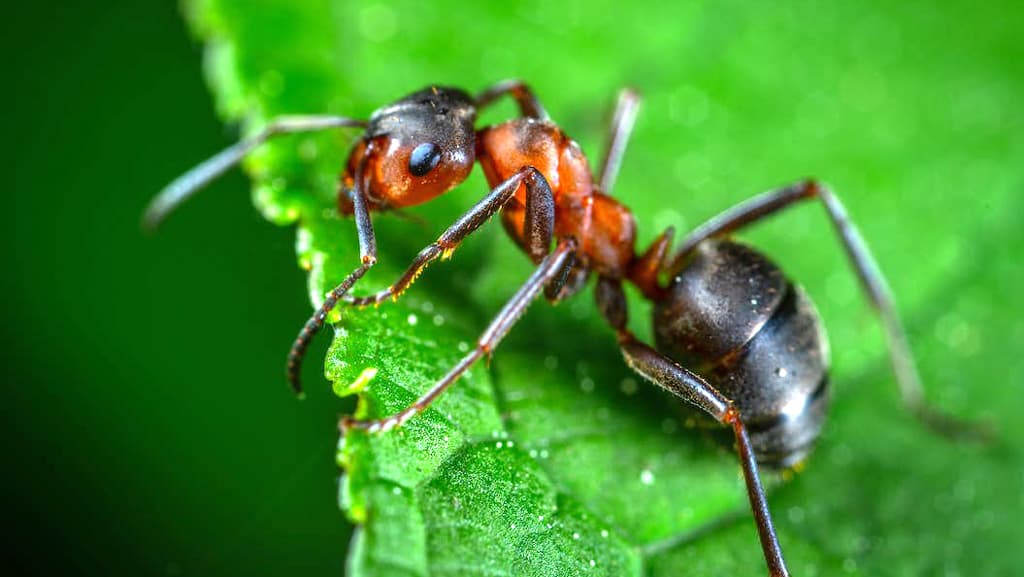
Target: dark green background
{"points": [[147, 427], [147, 424]]}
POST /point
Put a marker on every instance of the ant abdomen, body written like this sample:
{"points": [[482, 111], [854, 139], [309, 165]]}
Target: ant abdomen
{"points": [[733, 316]]}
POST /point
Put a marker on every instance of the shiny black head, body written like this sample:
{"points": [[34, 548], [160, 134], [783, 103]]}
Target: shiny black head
{"points": [[423, 145]]}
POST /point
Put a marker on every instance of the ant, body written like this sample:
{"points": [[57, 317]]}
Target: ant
{"points": [[735, 337]]}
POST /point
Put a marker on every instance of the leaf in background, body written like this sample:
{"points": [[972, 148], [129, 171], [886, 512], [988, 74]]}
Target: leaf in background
{"points": [[556, 460]]}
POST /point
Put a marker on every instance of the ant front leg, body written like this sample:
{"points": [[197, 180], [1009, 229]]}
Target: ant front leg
{"points": [[552, 269], [869, 275], [367, 258], [538, 230]]}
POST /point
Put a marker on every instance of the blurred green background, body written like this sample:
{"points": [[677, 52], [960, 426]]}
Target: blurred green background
{"points": [[147, 427]]}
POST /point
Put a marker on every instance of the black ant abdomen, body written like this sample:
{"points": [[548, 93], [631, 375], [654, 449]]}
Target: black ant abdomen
{"points": [[732, 316]]}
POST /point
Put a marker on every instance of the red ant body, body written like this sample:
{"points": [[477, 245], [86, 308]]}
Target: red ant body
{"points": [[752, 338]]}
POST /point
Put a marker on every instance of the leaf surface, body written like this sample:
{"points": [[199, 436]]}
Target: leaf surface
{"points": [[555, 460]]}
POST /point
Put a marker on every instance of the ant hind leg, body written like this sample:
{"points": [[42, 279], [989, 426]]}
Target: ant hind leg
{"points": [[871, 280], [687, 385], [690, 387]]}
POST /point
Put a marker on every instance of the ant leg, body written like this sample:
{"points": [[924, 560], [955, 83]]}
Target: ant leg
{"points": [[539, 229], [868, 273], [556, 290], [690, 387], [644, 271], [529, 105], [186, 185], [621, 127], [367, 257], [611, 302], [550, 269]]}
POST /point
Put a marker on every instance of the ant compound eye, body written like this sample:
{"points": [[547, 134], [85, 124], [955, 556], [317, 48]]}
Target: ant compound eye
{"points": [[424, 158]]}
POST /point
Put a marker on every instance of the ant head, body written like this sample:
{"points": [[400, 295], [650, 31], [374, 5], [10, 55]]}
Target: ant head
{"points": [[419, 147]]}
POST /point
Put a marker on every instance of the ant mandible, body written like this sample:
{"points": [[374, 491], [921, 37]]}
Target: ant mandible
{"points": [[753, 338]]}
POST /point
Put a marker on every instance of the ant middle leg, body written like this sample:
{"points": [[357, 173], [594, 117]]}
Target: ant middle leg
{"points": [[538, 230], [552, 269], [528, 103], [869, 275]]}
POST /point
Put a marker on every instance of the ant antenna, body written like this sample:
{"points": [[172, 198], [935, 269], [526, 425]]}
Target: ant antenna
{"points": [[186, 185]]}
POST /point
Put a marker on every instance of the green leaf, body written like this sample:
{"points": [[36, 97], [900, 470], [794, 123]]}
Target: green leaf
{"points": [[555, 460]]}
